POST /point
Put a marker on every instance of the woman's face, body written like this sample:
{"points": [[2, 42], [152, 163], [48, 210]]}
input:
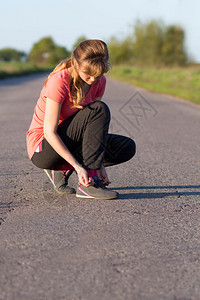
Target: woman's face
{"points": [[86, 78]]}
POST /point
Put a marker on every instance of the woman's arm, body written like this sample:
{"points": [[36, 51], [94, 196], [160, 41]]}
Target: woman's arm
{"points": [[52, 114]]}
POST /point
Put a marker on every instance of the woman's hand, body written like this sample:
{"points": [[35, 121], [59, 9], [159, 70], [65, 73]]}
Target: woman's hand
{"points": [[103, 176], [82, 176]]}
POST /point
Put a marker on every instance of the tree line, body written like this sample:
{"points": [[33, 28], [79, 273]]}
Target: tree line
{"points": [[150, 43]]}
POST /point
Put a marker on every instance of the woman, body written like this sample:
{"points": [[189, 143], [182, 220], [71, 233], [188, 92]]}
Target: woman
{"points": [[69, 129]]}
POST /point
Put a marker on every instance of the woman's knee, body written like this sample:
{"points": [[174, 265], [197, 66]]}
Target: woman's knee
{"points": [[100, 108]]}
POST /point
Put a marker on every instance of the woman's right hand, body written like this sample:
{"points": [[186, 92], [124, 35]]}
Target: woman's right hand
{"points": [[82, 176]]}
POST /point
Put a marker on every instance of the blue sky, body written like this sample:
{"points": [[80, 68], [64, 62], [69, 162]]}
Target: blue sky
{"points": [[24, 22]]}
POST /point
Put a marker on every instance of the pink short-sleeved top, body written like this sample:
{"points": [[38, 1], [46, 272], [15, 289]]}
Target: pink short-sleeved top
{"points": [[58, 90]]}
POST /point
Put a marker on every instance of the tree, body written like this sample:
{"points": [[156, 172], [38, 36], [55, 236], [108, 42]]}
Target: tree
{"points": [[47, 52], [148, 39], [10, 54], [173, 52], [58, 54], [41, 50], [121, 51]]}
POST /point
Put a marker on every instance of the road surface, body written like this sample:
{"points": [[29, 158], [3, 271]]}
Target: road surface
{"points": [[144, 245]]}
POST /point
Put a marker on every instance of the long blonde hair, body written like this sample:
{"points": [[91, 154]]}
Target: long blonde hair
{"points": [[94, 54]]}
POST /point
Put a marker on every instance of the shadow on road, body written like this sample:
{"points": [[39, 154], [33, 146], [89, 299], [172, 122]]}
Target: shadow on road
{"points": [[155, 194]]}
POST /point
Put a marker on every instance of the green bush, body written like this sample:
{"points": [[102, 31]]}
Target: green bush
{"points": [[46, 52]]}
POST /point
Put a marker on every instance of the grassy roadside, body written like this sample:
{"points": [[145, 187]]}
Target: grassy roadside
{"points": [[12, 69], [180, 82]]}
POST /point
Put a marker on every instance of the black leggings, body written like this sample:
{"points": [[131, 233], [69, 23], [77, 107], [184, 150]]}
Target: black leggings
{"points": [[86, 136]]}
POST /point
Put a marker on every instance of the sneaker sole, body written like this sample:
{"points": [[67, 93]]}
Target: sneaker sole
{"points": [[72, 192], [91, 197]]}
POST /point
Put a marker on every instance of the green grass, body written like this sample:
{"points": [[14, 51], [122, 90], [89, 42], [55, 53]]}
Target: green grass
{"points": [[12, 69], [180, 82]]}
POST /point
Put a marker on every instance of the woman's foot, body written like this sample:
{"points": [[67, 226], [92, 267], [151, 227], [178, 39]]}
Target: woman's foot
{"points": [[95, 191], [59, 180]]}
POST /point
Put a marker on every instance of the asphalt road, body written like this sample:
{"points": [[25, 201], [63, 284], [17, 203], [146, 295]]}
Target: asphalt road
{"points": [[144, 245]]}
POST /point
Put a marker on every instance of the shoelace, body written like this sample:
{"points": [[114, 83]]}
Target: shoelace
{"points": [[98, 182]]}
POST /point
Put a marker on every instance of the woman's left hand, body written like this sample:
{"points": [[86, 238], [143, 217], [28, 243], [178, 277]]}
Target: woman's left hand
{"points": [[103, 176]]}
